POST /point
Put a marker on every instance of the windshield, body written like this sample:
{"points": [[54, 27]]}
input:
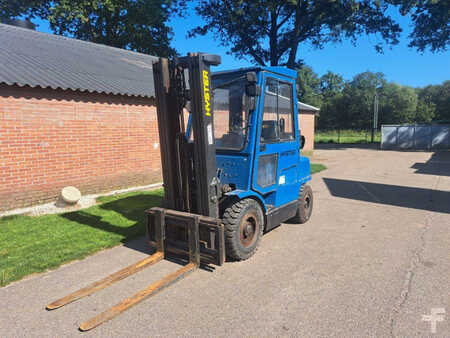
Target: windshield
{"points": [[230, 116]]}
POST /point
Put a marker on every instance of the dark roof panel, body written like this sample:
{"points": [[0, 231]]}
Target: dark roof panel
{"points": [[45, 60]]}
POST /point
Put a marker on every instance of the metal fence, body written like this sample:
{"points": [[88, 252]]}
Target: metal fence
{"points": [[345, 136], [415, 136]]}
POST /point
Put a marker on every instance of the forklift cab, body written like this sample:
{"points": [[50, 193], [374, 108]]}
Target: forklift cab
{"points": [[257, 138]]}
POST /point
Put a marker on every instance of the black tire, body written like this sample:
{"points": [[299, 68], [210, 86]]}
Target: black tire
{"points": [[244, 226], [305, 205]]}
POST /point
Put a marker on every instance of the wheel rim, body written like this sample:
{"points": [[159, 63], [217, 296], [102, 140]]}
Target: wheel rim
{"points": [[307, 204], [248, 230]]}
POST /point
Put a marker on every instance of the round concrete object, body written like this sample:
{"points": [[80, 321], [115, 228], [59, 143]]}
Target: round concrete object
{"points": [[70, 195]]}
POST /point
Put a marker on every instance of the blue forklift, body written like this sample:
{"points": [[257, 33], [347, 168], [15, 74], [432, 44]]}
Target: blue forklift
{"points": [[230, 151]]}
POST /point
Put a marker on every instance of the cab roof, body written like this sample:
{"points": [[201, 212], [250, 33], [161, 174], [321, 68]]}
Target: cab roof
{"points": [[284, 71]]}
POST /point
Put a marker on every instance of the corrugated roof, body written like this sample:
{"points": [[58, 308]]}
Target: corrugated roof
{"points": [[304, 106], [45, 60]]}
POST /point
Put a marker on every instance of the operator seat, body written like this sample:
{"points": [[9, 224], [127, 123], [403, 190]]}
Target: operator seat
{"points": [[269, 132]]}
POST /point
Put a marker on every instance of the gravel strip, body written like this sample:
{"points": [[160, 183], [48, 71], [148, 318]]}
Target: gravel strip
{"points": [[60, 206]]}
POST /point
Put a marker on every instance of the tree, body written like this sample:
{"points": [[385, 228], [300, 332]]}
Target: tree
{"points": [[349, 105], [398, 104], [431, 19], [352, 108], [270, 32], [439, 96], [334, 113], [23, 8], [308, 86], [425, 111], [139, 25], [426, 108], [331, 84], [442, 101], [360, 96]]}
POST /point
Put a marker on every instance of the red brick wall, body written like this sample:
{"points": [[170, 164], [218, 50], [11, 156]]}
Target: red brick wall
{"points": [[53, 138], [306, 122]]}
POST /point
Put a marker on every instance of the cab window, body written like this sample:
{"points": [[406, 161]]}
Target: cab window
{"points": [[278, 119]]}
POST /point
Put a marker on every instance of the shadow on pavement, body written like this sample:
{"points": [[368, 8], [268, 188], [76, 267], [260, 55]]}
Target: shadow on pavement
{"points": [[438, 164], [141, 244], [407, 197]]}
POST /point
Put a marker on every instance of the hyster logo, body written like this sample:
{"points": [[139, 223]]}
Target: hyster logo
{"points": [[206, 93]]}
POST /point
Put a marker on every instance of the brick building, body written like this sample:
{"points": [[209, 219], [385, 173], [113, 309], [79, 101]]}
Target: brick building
{"points": [[306, 121], [77, 113]]}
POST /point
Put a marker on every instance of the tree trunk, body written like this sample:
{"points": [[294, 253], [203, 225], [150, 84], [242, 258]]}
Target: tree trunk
{"points": [[292, 55], [295, 36], [273, 39]]}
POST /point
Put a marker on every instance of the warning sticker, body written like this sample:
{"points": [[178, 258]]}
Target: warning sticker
{"points": [[210, 134]]}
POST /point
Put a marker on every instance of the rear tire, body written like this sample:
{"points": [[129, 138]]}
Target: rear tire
{"points": [[244, 226], [305, 205]]}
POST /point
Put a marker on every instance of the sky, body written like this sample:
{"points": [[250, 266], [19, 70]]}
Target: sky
{"points": [[399, 63]]}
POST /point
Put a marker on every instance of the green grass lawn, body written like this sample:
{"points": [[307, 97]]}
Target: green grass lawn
{"points": [[317, 167], [345, 136], [35, 244]]}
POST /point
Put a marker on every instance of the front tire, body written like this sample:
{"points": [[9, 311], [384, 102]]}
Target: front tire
{"points": [[305, 205], [244, 226]]}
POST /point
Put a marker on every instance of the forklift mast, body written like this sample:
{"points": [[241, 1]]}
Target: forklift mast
{"points": [[189, 168]]}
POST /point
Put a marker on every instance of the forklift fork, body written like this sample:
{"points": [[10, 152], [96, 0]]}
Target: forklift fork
{"points": [[159, 220]]}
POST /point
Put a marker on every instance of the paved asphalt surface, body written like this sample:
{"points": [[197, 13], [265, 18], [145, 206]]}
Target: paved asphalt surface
{"points": [[371, 261]]}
